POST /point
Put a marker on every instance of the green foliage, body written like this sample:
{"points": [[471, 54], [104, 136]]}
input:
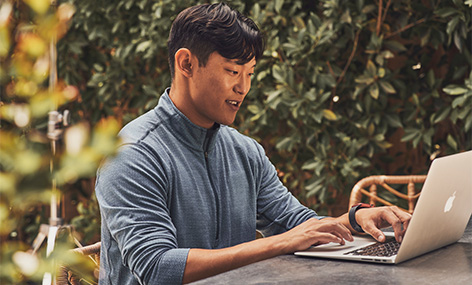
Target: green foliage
{"points": [[88, 220], [345, 89], [37, 162], [116, 53], [341, 80]]}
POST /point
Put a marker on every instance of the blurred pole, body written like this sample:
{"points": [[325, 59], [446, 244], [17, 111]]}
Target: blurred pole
{"points": [[53, 135], [56, 122], [51, 129]]}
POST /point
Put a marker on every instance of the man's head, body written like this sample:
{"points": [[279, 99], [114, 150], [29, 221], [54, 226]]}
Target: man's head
{"points": [[206, 28]]}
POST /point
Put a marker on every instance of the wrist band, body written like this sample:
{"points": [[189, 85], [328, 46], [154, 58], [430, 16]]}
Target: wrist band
{"points": [[352, 216]]}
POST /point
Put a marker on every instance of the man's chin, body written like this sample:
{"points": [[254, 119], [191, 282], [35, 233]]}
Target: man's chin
{"points": [[226, 122]]}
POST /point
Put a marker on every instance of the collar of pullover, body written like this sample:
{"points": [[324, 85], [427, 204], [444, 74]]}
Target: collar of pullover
{"points": [[194, 136]]}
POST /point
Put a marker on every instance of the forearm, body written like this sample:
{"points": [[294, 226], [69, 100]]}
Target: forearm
{"points": [[372, 220], [344, 220], [203, 263]]}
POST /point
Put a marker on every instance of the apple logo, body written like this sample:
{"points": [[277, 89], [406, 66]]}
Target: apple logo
{"points": [[449, 202]]}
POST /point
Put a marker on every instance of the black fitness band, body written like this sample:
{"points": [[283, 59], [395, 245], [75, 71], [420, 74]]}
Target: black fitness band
{"points": [[352, 216]]}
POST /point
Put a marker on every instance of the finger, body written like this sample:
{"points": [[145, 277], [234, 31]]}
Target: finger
{"points": [[376, 233], [339, 230], [334, 229], [324, 238], [404, 219], [396, 222], [368, 220], [344, 232], [403, 216], [341, 240], [405, 226]]}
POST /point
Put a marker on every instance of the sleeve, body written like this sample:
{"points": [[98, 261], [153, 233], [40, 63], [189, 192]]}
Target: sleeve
{"points": [[131, 190], [278, 210]]}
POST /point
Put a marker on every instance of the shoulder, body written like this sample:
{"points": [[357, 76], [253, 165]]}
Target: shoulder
{"points": [[242, 145], [139, 128], [239, 139], [141, 147]]}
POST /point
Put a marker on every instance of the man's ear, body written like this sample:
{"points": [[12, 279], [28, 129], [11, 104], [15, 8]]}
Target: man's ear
{"points": [[183, 62]]}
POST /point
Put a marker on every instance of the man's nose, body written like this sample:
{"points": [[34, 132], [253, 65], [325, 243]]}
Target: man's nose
{"points": [[243, 85]]}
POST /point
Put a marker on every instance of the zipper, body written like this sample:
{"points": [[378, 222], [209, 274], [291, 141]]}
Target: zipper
{"points": [[206, 146]]}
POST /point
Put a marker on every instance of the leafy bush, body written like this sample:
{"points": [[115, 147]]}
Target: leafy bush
{"points": [[38, 162], [346, 89], [351, 88]]}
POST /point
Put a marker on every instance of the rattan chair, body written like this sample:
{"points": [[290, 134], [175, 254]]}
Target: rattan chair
{"points": [[372, 182], [67, 275]]}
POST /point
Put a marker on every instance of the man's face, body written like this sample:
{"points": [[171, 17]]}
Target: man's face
{"points": [[217, 90]]}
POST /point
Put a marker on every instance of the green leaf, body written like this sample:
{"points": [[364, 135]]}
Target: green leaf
{"points": [[144, 17], [315, 187], [459, 101], [143, 46], [254, 109], [374, 91], [441, 115], [278, 5], [430, 78], [272, 95], [27, 161], [384, 144], [410, 134], [371, 68], [150, 90], [329, 115], [395, 46], [7, 183], [387, 87], [451, 142], [285, 144], [425, 37], [451, 26], [278, 74], [393, 120], [446, 12], [468, 123], [455, 89], [363, 79]]}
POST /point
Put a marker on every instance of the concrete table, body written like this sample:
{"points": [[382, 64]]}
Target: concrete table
{"points": [[449, 265]]}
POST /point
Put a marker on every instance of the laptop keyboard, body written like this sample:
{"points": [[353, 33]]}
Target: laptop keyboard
{"points": [[386, 249]]}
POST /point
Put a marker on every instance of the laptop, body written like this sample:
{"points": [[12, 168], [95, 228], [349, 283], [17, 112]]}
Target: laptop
{"points": [[439, 219]]}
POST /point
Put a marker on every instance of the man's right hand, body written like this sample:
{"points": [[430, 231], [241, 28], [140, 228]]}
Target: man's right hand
{"points": [[315, 232]]}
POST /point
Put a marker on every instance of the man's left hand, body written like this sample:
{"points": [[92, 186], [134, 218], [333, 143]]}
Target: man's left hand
{"points": [[373, 219]]}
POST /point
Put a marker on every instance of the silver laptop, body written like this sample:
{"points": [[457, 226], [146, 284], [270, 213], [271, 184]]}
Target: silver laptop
{"points": [[440, 218]]}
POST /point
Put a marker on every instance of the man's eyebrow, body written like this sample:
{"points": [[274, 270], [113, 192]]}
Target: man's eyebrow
{"points": [[235, 61]]}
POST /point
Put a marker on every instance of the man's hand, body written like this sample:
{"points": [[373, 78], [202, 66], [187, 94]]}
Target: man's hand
{"points": [[202, 263], [317, 232], [373, 219]]}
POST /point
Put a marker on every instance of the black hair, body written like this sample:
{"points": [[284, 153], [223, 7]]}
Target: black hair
{"points": [[207, 28]]}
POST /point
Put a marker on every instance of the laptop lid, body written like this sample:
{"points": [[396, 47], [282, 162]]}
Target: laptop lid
{"points": [[440, 217], [443, 209]]}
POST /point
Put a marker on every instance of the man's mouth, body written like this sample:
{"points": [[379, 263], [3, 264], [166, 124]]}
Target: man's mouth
{"points": [[232, 102]]}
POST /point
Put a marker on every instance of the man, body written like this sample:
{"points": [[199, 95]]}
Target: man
{"points": [[185, 195]]}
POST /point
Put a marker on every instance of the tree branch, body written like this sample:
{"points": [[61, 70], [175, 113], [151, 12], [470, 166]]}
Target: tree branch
{"points": [[405, 28], [379, 18], [354, 49]]}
